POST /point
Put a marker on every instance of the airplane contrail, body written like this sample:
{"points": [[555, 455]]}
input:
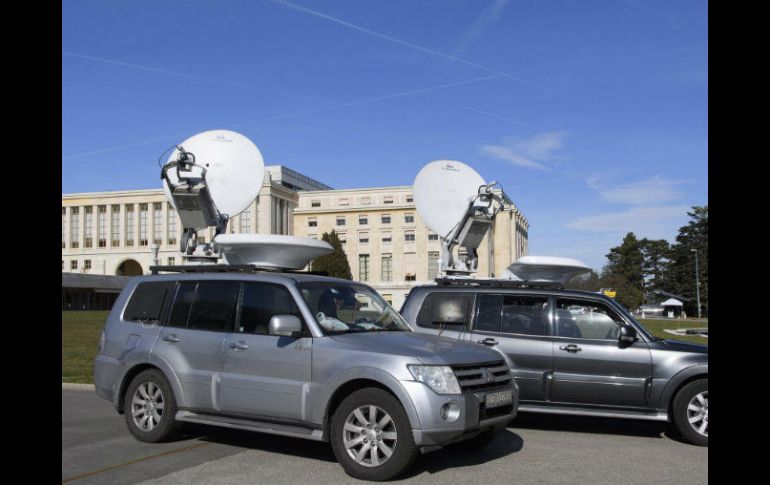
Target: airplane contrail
{"points": [[493, 115]]}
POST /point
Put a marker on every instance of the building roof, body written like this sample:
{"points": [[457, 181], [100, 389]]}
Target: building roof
{"points": [[671, 302]]}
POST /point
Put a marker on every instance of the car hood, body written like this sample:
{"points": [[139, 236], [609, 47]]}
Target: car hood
{"points": [[680, 346], [427, 348]]}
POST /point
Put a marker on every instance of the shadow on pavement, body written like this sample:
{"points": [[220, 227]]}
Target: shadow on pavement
{"points": [[457, 455], [590, 424]]}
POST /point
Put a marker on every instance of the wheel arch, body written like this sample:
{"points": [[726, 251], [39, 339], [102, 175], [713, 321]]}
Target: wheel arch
{"points": [[676, 383]]}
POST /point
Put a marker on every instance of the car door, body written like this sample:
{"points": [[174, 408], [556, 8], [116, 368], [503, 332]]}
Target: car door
{"points": [[590, 367], [192, 341], [265, 375], [519, 324]]}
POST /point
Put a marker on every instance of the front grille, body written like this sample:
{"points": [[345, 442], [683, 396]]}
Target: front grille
{"points": [[481, 377]]}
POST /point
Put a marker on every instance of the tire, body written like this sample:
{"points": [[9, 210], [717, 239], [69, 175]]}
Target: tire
{"points": [[152, 420], [394, 434], [690, 412]]}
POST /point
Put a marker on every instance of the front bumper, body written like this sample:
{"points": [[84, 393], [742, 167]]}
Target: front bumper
{"points": [[471, 419]]}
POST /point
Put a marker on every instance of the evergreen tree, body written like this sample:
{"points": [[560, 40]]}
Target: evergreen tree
{"points": [[655, 260], [334, 264], [680, 277], [624, 272]]}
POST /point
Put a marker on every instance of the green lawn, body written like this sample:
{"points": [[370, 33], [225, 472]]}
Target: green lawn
{"points": [[80, 333], [656, 328]]}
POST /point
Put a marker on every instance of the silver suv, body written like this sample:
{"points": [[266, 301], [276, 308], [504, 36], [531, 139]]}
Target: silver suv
{"points": [[573, 352], [297, 355]]}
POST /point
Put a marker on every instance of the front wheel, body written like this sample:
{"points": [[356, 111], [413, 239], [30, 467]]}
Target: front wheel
{"points": [[691, 412], [371, 436]]}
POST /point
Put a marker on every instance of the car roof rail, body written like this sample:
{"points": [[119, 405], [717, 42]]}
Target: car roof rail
{"points": [[226, 268], [497, 283]]}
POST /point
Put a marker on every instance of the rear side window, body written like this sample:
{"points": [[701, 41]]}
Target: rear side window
{"points": [[488, 314], [445, 308], [147, 301], [262, 301], [182, 302], [524, 315], [213, 306]]}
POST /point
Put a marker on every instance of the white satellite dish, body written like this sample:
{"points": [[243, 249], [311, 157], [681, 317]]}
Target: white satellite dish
{"points": [[545, 269], [442, 191], [271, 251], [234, 169]]}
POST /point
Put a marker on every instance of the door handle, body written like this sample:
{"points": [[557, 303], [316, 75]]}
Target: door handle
{"points": [[488, 341], [570, 348], [239, 345], [171, 338]]}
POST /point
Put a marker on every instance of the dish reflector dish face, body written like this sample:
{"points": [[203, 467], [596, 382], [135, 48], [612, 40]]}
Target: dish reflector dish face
{"points": [[546, 269], [442, 191], [234, 168], [271, 251]]}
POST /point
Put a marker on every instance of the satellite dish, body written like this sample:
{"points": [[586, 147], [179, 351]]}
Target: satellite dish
{"points": [[442, 191], [234, 169], [271, 251], [545, 269]]}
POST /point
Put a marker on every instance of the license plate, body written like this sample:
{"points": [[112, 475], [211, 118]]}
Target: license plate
{"points": [[499, 398]]}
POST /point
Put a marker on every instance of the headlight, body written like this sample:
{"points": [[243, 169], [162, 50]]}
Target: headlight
{"points": [[440, 378]]}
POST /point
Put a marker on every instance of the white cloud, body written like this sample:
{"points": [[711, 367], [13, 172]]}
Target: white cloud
{"points": [[529, 153], [653, 191], [659, 222]]}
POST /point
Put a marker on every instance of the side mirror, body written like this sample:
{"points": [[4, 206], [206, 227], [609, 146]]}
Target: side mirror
{"points": [[627, 336], [285, 325]]}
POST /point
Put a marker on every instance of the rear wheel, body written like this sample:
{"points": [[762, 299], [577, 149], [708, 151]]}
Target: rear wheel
{"points": [[691, 412], [371, 436], [150, 407]]}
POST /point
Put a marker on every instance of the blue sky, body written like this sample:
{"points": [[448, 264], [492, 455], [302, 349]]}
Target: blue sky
{"points": [[592, 114]]}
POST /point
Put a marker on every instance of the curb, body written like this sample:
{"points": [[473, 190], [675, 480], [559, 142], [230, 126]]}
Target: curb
{"points": [[70, 386]]}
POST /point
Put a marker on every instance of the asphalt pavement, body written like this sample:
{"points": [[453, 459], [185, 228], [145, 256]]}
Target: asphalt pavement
{"points": [[97, 448]]}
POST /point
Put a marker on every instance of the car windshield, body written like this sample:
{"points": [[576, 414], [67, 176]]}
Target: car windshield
{"points": [[348, 308]]}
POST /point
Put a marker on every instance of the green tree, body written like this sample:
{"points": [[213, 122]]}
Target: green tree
{"points": [[334, 264], [680, 277], [584, 282], [655, 260], [624, 272]]}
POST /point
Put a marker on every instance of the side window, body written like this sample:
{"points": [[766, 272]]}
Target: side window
{"points": [[524, 315], [488, 312], [180, 310], [586, 319], [213, 306], [445, 308], [147, 301], [260, 302]]}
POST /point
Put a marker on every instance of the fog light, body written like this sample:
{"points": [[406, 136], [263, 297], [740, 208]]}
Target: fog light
{"points": [[449, 411]]}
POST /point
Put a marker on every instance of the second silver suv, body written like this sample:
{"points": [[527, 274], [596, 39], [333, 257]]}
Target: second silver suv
{"points": [[296, 355]]}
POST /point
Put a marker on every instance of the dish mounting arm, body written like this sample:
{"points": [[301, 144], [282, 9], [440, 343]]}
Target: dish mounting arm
{"points": [[192, 199], [470, 231]]}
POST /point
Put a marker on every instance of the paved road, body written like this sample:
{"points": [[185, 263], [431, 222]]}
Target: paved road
{"points": [[97, 448]]}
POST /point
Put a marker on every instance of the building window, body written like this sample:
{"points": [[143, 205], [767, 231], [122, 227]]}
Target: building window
{"points": [[387, 267], [101, 226], [363, 220], [432, 237], [387, 237], [343, 237], [363, 267], [86, 264], [130, 220], [171, 225], [388, 199], [363, 238], [63, 229], [386, 219], [171, 260], [88, 222], [312, 222], [143, 225], [245, 221], [410, 277], [409, 236], [315, 203], [115, 225], [74, 227], [74, 264], [157, 223], [433, 266], [409, 198], [340, 221], [409, 218]]}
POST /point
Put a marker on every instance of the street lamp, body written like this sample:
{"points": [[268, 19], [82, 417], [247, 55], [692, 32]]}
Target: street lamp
{"points": [[697, 281]]}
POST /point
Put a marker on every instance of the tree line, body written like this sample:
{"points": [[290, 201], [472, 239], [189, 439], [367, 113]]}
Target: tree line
{"points": [[639, 269]]}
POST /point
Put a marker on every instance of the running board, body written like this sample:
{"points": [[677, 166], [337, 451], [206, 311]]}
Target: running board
{"points": [[248, 425], [660, 416]]}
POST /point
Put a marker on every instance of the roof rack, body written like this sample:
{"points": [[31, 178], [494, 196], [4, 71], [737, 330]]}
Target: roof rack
{"points": [[499, 283], [227, 268]]}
